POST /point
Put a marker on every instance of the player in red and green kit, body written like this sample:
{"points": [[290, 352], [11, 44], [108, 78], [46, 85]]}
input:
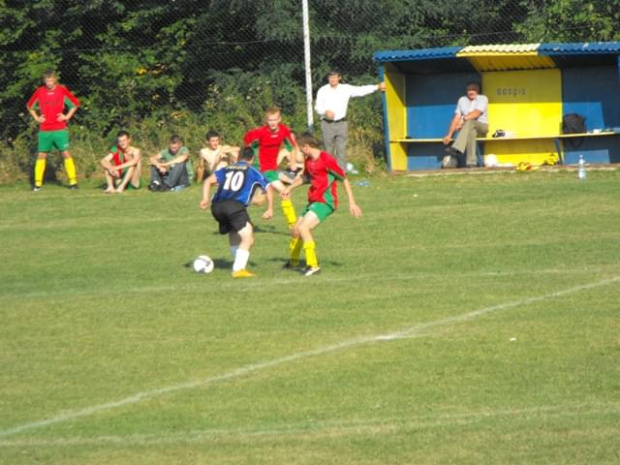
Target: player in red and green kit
{"points": [[51, 100], [267, 141], [323, 171]]}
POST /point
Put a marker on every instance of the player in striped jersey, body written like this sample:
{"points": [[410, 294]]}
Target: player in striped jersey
{"points": [[322, 170]]}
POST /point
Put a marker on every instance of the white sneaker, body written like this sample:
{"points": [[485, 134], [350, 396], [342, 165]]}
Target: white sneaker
{"points": [[312, 270]]}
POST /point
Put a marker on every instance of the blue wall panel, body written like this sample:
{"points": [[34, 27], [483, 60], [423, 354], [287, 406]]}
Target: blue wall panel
{"points": [[594, 150], [431, 100], [594, 93], [425, 156]]}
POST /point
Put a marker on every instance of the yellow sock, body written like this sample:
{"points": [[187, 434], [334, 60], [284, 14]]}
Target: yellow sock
{"points": [[70, 168], [39, 171], [310, 251], [294, 248], [289, 212]]}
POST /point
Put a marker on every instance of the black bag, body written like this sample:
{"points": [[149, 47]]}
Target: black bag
{"points": [[573, 123]]}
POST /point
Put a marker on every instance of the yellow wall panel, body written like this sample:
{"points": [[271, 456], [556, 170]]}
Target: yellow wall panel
{"points": [[526, 103], [395, 100], [398, 156], [514, 152]]}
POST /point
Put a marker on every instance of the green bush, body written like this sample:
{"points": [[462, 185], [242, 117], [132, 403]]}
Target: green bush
{"points": [[235, 102]]}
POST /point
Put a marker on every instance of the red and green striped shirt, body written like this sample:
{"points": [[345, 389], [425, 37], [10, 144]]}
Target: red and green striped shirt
{"points": [[323, 173]]}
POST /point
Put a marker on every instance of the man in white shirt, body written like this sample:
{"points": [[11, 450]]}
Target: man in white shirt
{"points": [[331, 104], [471, 120]]}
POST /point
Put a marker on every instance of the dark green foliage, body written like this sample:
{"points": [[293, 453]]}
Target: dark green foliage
{"points": [[162, 63]]}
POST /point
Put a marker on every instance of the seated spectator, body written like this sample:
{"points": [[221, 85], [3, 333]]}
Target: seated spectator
{"points": [[171, 169], [215, 155], [470, 120], [122, 166]]}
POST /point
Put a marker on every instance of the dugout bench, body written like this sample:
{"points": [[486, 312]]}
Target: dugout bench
{"points": [[530, 87]]}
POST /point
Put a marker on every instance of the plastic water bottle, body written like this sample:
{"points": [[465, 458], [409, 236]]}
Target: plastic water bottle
{"points": [[351, 169], [582, 168], [363, 182]]}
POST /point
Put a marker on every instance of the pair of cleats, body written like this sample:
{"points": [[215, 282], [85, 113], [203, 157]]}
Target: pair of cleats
{"points": [[156, 187], [307, 271], [72, 187], [243, 274]]}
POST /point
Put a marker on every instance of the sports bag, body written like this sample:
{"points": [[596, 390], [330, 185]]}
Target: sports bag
{"points": [[573, 123]]}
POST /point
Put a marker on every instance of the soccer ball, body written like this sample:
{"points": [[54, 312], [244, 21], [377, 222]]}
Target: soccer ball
{"points": [[449, 161], [490, 161], [203, 264]]}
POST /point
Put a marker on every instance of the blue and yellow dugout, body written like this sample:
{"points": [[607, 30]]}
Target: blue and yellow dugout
{"points": [[530, 88]]}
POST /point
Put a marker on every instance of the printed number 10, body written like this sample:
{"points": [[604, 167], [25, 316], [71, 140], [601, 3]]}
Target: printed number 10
{"points": [[234, 181]]}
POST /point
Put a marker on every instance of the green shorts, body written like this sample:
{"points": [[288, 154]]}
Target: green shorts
{"points": [[117, 182], [48, 140], [321, 210], [272, 175]]}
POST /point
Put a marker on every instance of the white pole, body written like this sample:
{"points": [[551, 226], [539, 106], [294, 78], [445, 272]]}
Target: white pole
{"points": [[306, 21]]}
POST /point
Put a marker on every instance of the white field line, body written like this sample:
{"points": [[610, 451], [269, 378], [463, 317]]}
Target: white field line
{"points": [[372, 425], [278, 282], [414, 331]]}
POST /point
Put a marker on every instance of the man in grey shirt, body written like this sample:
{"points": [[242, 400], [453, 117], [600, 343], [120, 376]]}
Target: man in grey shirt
{"points": [[471, 120]]}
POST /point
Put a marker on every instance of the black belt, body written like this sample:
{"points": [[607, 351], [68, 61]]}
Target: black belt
{"points": [[330, 121]]}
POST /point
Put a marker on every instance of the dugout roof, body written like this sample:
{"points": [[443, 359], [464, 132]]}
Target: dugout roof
{"points": [[486, 58]]}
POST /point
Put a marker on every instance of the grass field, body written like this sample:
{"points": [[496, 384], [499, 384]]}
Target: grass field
{"points": [[467, 319]]}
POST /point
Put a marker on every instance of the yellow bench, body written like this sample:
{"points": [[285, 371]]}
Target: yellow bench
{"points": [[556, 138]]}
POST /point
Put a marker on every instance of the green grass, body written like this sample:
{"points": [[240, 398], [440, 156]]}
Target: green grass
{"points": [[497, 295]]}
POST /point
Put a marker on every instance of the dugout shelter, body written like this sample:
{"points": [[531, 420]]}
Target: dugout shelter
{"points": [[530, 88]]}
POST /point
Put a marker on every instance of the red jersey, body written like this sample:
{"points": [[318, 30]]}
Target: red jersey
{"points": [[269, 143], [52, 102], [118, 158], [323, 173]]}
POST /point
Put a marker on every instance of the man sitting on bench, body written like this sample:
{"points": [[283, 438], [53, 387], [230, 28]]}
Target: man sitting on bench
{"points": [[471, 121]]}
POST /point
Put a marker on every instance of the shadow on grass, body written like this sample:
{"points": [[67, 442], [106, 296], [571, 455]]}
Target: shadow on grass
{"points": [[269, 229]]}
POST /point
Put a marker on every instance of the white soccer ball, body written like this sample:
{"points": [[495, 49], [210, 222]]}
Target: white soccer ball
{"points": [[490, 161], [203, 264], [449, 161]]}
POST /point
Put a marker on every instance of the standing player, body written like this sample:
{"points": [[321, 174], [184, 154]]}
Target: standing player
{"points": [[268, 139], [323, 171], [122, 165], [237, 187], [51, 100]]}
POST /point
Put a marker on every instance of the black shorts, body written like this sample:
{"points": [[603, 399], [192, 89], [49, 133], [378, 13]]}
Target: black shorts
{"points": [[231, 215]]}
